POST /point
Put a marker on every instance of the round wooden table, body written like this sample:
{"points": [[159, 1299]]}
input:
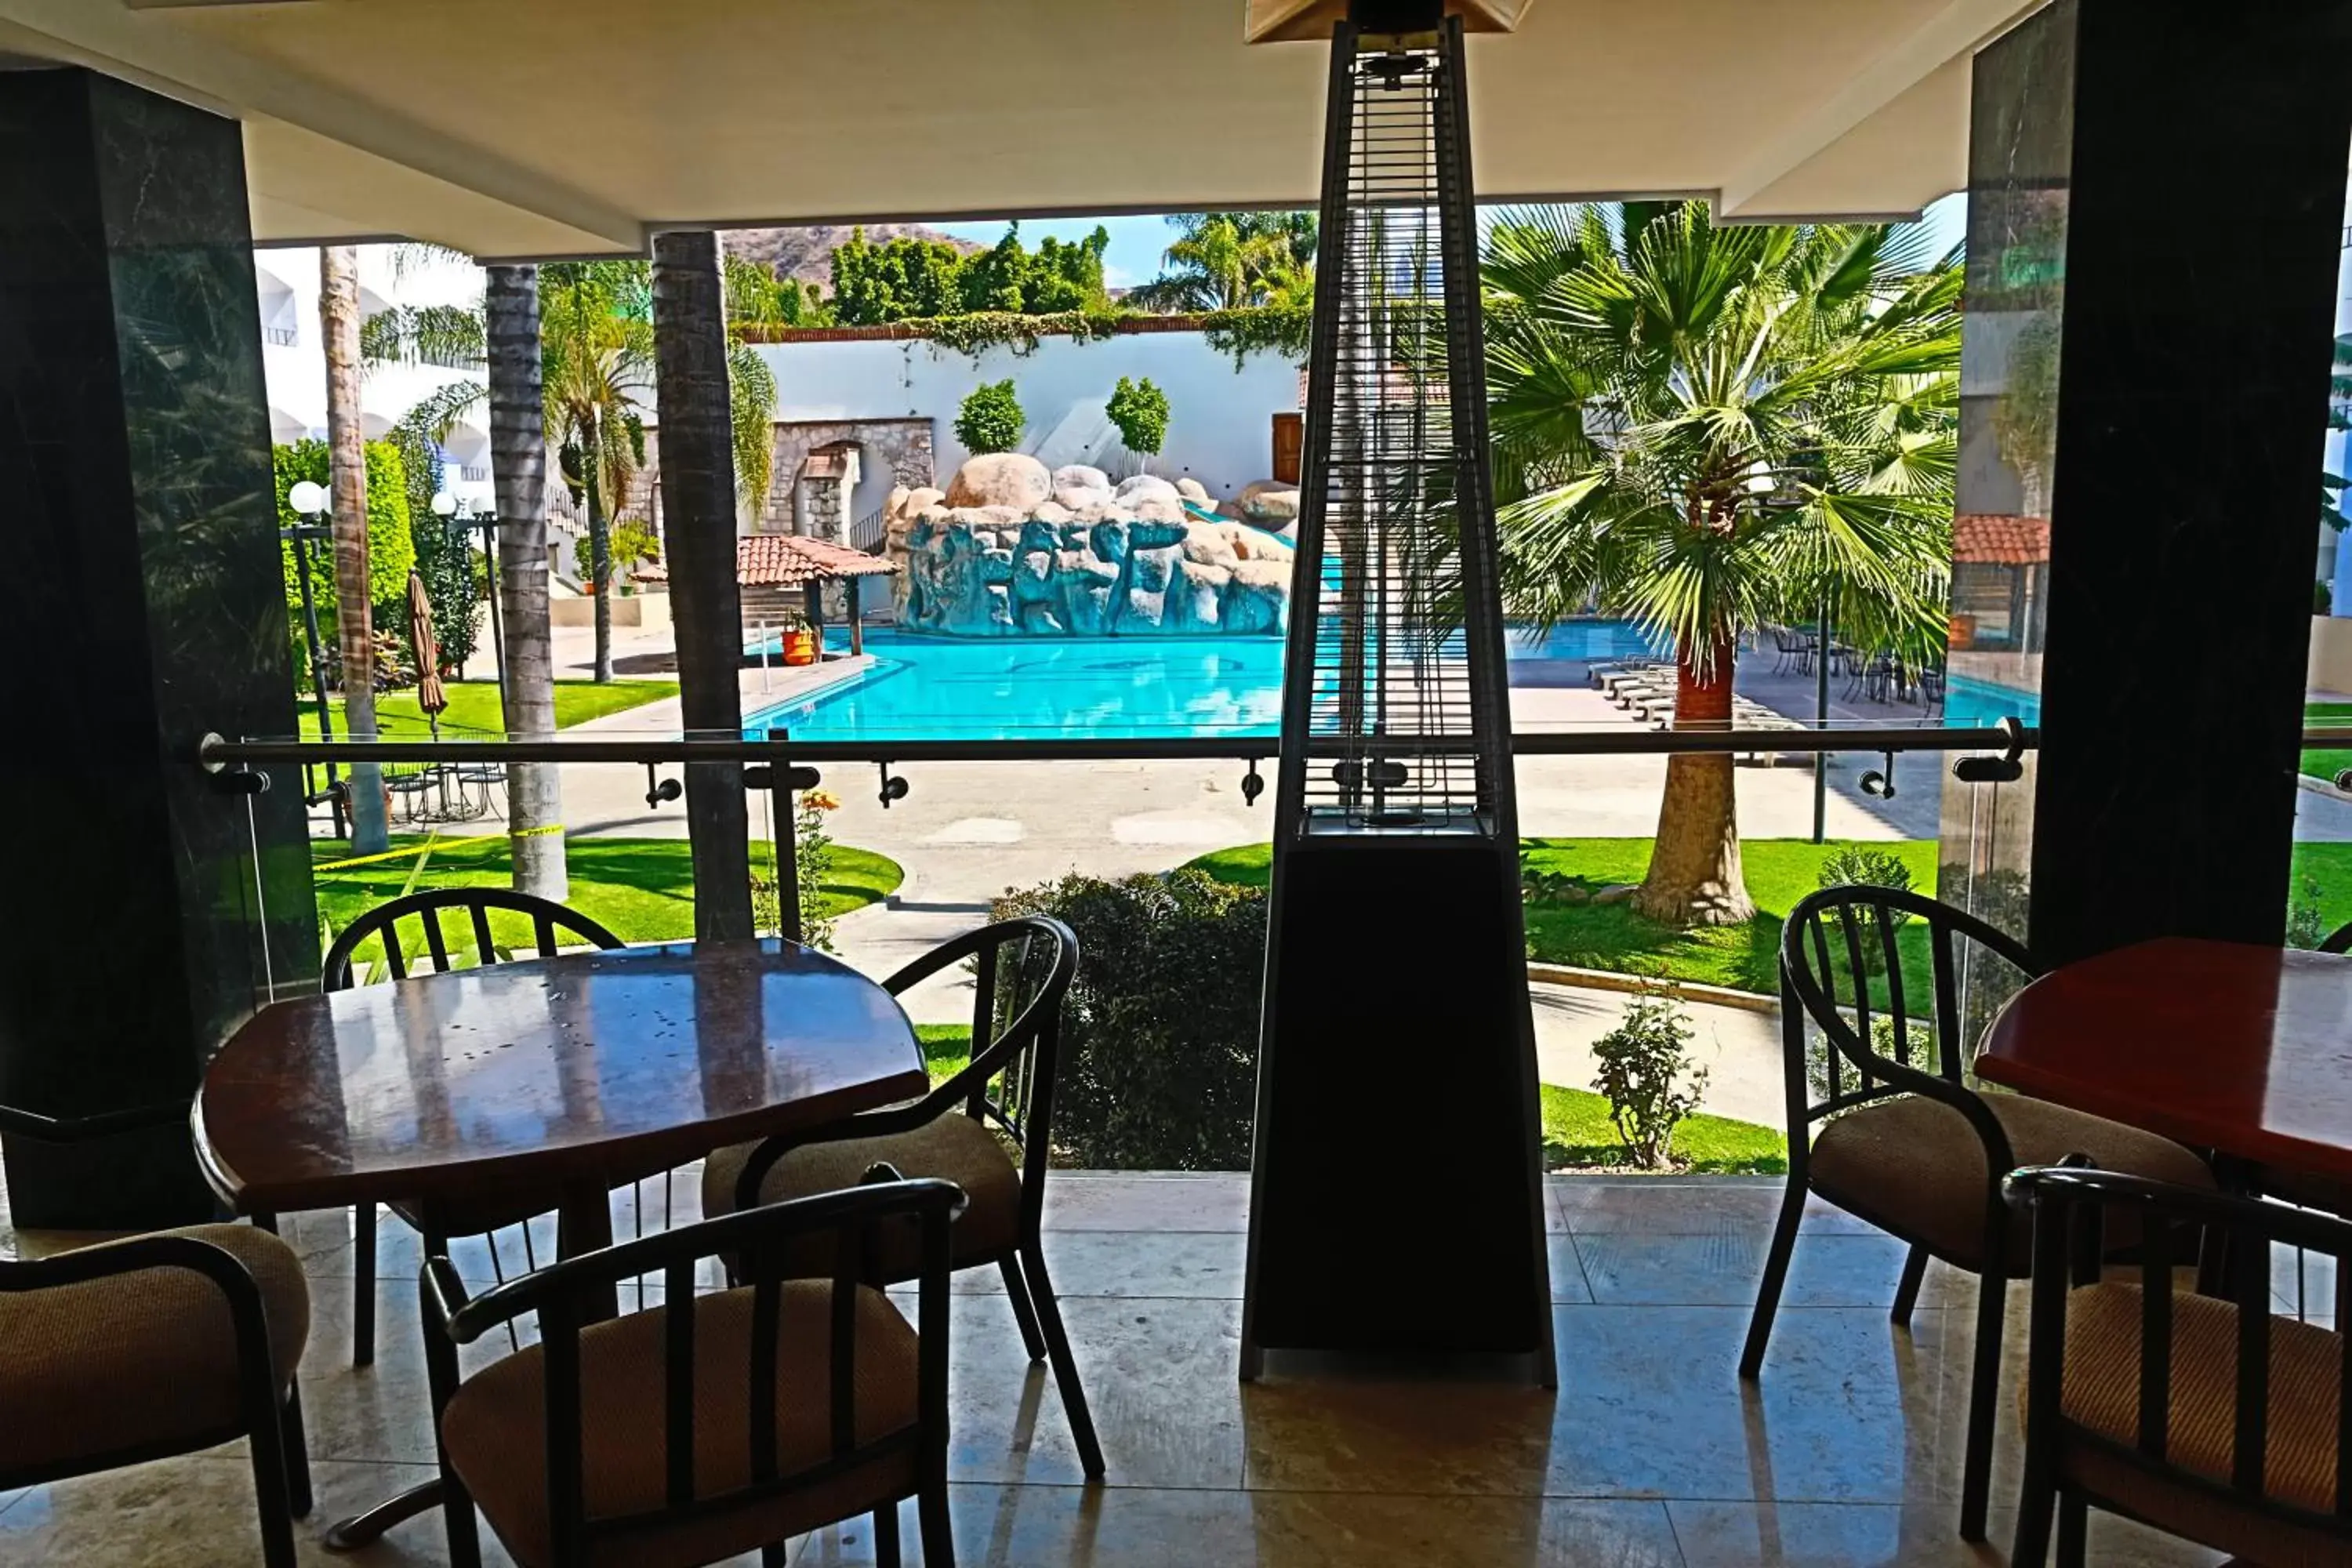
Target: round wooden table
{"points": [[2244, 1050], [571, 1076]]}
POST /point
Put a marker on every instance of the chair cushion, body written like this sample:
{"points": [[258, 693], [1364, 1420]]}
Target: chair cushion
{"points": [[2100, 1392], [1914, 1166], [954, 1146], [139, 1361], [495, 1429]]}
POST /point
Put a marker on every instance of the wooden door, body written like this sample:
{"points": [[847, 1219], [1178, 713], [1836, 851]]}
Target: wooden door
{"points": [[1289, 440]]}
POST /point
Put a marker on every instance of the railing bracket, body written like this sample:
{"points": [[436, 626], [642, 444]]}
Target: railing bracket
{"points": [[894, 786]]}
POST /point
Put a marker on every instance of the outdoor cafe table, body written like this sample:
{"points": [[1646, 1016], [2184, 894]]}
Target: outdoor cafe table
{"points": [[572, 1076], [2241, 1049]]}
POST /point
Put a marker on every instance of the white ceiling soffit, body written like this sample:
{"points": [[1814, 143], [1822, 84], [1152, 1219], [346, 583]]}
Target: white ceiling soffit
{"points": [[567, 127]]}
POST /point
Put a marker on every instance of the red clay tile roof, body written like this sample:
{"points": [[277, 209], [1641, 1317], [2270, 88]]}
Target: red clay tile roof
{"points": [[788, 560], [1998, 540]]}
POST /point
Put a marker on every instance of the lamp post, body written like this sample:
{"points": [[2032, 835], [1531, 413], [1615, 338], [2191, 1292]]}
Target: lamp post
{"points": [[449, 509], [310, 500]]}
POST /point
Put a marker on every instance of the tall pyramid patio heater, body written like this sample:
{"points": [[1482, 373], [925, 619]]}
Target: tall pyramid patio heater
{"points": [[1396, 1193]]}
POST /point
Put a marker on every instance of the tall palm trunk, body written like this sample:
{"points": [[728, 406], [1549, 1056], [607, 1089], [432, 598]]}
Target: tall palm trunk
{"points": [[338, 322], [1695, 873], [518, 467], [600, 543]]}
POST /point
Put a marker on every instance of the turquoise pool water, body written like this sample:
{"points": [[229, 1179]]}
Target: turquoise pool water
{"points": [[1010, 688], [1976, 704]]}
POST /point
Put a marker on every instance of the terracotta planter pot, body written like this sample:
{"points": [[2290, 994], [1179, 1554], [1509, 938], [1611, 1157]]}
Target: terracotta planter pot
{"points": [[800, 647]]}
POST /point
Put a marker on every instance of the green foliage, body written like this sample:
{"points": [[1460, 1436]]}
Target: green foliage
{"points": [[454, 582], [1224, 260], [1284, 329], [1158, 1061], [1139, 409], [1646, 1076], [909, 280], [990, 419], [2306, 927], [756, 296], [1864, 866], [391, 550], [449, 335], [1579, 1135], [634, 544]]}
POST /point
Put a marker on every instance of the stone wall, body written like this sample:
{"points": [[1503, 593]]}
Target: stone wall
{"points": [[902, 445]]}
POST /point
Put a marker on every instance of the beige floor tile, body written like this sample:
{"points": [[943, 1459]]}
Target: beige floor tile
{"points": [[1668, 1205], [1862, 1535], [1215, 1200], [1723, 1269]]}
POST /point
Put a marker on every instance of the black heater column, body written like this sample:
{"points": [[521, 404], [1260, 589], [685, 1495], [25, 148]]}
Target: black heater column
{"points": [[1396, 975], [2203, 205], [143, 604]]}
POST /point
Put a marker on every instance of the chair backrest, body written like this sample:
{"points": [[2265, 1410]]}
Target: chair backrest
{"points": [[2071, 1207], [550, 922], [568, 1295], [1844, 966], [1022, 969], [2338, 941]]}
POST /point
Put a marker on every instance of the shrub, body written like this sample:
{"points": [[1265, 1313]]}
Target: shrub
{"points": [[634, 544], [1855, 865], [1642, 1060], [1139, 409], [1159, 1054], [391, 550], [990, 419], [811, 863], [2306, 925]]}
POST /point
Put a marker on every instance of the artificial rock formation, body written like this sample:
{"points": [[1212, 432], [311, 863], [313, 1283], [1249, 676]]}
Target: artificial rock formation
{"points": [[1011, 550]]}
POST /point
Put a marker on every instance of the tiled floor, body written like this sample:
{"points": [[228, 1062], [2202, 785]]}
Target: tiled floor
{"points": [[1652, 1453]]}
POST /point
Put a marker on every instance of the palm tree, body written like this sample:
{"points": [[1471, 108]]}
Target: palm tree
{"points": [[339, 322], [597, 373], [1709, 429], [1224, 262]]}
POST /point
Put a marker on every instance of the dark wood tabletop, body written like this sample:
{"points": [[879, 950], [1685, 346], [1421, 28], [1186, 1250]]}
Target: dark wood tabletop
{"points": [[2247, 1050], [578, 1071]]}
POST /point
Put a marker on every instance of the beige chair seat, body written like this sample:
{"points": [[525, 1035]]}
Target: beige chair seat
{"points": [[954, 1147], [138, 1361], [495, 1429], [2100, 1392], [1916, 1166]]}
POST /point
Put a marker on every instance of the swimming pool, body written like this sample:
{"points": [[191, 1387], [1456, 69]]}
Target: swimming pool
{"points": [[1011, 688]]}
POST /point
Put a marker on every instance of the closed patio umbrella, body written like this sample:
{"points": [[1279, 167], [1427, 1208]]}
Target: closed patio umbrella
{"points": [[430, 694]]}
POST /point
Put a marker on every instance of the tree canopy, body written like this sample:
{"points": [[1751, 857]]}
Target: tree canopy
{"points": [[1230, 261], [909, 278]]}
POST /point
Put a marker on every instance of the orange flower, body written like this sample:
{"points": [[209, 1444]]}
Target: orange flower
{"points": [[820, 800]]}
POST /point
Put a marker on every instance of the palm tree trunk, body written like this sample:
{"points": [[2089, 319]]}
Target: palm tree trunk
{"points": [[518, 467], [697, 493], [599, 546], [338, 322], [1694, 872]]}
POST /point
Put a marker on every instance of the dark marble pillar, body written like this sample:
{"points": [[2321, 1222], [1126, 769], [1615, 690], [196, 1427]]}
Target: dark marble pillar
{"points": [[2202, 199], [146, 913]]}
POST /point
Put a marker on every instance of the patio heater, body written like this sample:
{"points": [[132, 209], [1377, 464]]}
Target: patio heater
{"points": [[1396, 1196]]}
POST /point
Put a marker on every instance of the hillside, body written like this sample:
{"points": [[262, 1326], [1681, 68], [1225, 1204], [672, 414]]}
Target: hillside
{"points": [[807, 253]]}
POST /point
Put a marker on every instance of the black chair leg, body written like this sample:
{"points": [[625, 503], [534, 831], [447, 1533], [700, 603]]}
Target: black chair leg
{"points": [[2073, 1529], [2030, 1547], [932, 1521], [1024, 1312], [885, 1536], [272, 1496], [1906, 1292], [775, 1554], [1065, 1366], [298, 1455], [1776, 1275], [1984, 1387], [363, 1285]]}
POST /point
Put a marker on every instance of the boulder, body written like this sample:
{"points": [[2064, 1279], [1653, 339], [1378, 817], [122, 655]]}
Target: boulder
{"points": [[1257, 599], [1107, 539], [996, 567], [1146, 534], [923, 496], [1033, 578], [897, 505], [1140, 487], [1005, 516], [1079, 477], [1035, 535], [1193, 489], [1207, 543], [1149, 570], [1155, 509], [1194, 596], [1001, 479], [1052, 512], [1079, 498], [1105, 512], [1269, 501]]}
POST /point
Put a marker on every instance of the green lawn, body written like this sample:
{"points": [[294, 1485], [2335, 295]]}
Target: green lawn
{"points": [[473, 707], [641, 888], [1578, 1135], [2326, 764], [1612, 937]]}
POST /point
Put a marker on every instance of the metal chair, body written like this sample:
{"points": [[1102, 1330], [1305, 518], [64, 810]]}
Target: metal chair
{"points": [[952, 1132], [2208, 1417], [550, 922], [1903, 1142], [161, 1344], [712, 1423]]}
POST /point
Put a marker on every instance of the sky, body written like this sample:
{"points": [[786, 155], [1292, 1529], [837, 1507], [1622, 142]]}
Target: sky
{"points": [[1135, 243]]}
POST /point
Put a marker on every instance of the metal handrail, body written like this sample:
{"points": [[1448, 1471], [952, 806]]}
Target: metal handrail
{"points": [[216, 752]]}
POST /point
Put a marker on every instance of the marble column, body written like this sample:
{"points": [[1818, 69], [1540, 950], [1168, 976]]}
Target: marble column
{"points": [[2176, 176], [147, 912]]}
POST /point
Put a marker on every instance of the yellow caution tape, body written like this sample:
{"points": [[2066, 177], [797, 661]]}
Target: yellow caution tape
{"points": [[430, 845]]}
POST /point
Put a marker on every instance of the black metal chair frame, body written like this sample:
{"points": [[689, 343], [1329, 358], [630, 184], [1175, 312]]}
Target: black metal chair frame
{"points": [[281, 1464], [1860, 915], [565, 1297], [2068, 1205], [1020, 1060], [548, 919]]}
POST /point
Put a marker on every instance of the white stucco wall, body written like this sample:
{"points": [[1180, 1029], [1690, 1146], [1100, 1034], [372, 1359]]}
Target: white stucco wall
{"points": [[1220, 422]]}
